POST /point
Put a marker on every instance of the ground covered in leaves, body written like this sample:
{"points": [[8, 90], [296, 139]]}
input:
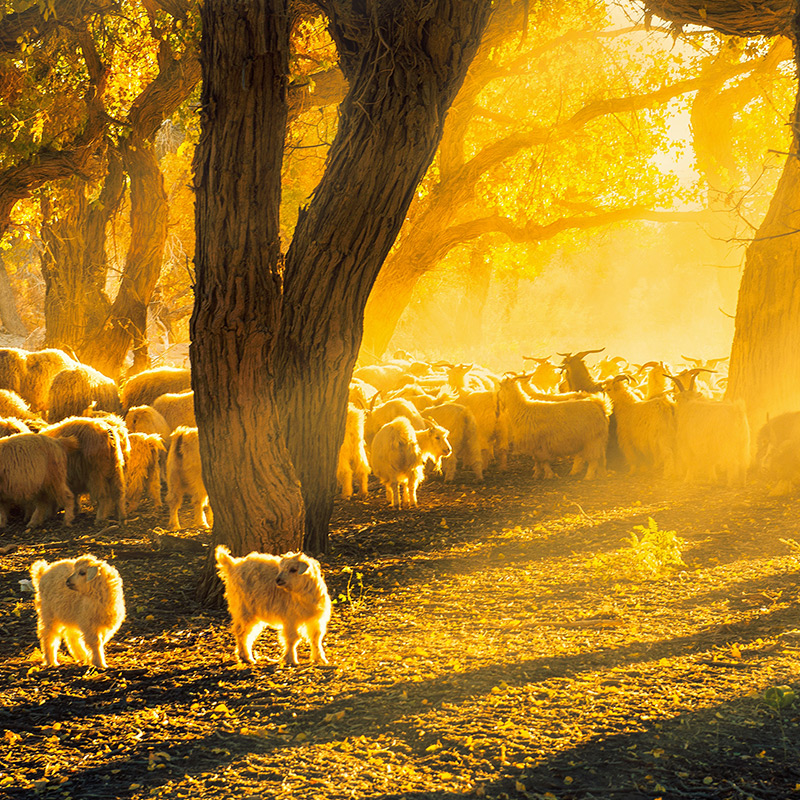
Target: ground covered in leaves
{"points": [[496, 642]]}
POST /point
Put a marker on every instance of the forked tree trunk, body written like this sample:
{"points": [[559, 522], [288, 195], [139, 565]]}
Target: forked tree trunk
{"points": [[74, 263], [107, 347], [403, 78], [253, 490], [765, 357]]}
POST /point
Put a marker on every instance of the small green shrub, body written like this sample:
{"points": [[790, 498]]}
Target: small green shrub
{"points": [[650, 553]]}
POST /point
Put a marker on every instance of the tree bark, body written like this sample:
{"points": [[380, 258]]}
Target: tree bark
{"points": [[74, 263], [403, 75], [9, 315], [765, 356], [106, 348], [252, 486]]}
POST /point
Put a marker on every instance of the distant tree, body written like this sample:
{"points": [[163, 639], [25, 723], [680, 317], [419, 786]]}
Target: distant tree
{"points": [[765, 356]]}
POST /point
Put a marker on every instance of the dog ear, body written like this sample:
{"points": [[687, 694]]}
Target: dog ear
{"points": [[91, 572]]}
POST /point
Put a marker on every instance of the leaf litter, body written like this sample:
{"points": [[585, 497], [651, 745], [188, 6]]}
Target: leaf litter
{"points": [[476, 651]]}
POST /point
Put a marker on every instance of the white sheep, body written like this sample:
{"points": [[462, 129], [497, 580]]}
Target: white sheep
{"points": [[284, 592], [185, 476], [547, 430], [353, 459], [80, 599], [712, 438], [386, 412], [645, 428], [399, 454], [462, 434], [177, 408]]}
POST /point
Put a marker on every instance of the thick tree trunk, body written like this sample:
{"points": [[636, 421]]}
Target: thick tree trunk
{"points": [[253, 489], [403, 77], [106, 348], [74, 264], [765, 357]]}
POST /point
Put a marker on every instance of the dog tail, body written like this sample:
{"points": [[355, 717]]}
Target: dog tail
{"points": [[224, 561], [37, 568]]}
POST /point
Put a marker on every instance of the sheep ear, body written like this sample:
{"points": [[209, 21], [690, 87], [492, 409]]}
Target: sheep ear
{"points": [[302, 567], [91, 573]]}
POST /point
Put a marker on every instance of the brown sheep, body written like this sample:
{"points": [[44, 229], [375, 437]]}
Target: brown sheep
{"points": [[12, 369], [12, 405], [185, 476], [97, 466], [41, 367], [143, 469], [80, 599], [9, 426], [33, 473], [177, 409], [142, 389], [74, 391]]}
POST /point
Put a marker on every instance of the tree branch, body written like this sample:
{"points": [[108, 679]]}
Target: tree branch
{"points": [[531, 232], [735, 18]]}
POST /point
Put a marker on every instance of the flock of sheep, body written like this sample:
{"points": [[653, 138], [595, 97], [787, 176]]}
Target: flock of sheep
{"points": [[67, 430], [405, 412], [113, 444]]}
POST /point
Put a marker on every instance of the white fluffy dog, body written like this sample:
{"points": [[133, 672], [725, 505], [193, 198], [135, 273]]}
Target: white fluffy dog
{"points": [[285, 592], [80, 599]]}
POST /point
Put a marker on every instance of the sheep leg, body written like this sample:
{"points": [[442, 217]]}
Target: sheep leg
{"points": [[363, 478], [449, 468], [577, 464], [290, 638], [95, 644], [68, 501], [344, 478], [315, 636], [49, 642], [411, 488], [390, 493], [174, 501], [198, 512], [547, 470], [4, 511], [74, 642], [40, 513], [154, 487], [246, 631]]}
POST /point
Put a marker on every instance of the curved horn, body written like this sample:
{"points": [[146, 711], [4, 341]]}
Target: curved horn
{"points": [[693, 360], [648, 364], [677, 382], [566, 355], [585, 353], [536, 359]]}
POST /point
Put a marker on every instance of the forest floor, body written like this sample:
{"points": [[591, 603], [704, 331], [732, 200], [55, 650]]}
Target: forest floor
{"points": [[478, 648]]}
